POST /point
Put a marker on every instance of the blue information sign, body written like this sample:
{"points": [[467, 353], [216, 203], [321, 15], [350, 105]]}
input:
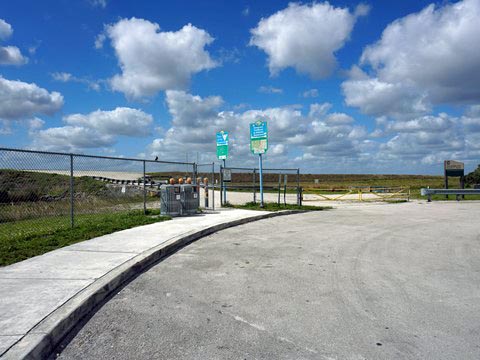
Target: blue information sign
{"points": [[259, 137], [258, 130], [222, 145], [222, 138]]}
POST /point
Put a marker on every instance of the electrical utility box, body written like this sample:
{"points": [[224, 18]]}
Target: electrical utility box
{"points": [[177, 200]]}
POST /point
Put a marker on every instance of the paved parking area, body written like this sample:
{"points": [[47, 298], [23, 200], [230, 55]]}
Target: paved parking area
{"points": [[378, 281]]}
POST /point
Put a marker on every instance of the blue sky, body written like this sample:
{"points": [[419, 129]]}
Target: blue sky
{"points": [[346, 87]]}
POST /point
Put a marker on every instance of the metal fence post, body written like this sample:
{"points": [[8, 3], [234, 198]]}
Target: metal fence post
{"points": [[72, 219], [195, 173], [299, 200], [144, 190], [279, 184], [221, 185], [254, 189], [213, 185]]}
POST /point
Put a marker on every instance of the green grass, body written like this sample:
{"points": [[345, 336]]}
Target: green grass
{"points": [[277, 207], [21, 240]]}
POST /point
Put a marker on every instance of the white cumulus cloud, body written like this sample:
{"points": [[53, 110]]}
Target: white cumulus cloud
{"points": [[71, 138], [120, 121], [9, 55], [152, 60], [97, 129], [20, 100], [422, 60], [5, 30], [305, 37]]}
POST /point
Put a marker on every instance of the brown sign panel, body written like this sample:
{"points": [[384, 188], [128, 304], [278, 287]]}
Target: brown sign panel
{"points": [[454, 165]]}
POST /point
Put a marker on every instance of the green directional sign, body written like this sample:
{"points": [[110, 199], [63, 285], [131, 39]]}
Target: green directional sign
{"points": [[259, 137], [222, 145]]}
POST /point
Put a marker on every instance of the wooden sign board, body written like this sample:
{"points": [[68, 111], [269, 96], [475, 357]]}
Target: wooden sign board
{"points": [[454, 168]]}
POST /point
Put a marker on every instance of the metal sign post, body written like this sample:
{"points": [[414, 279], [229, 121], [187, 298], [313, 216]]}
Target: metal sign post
{"points": [[221, 185], [224, 187], [259, 146], [222, 154], [261, 178]]}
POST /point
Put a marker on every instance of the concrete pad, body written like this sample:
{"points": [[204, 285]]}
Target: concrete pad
{"points": [[6, 341], [25, 302], [61, 264]]}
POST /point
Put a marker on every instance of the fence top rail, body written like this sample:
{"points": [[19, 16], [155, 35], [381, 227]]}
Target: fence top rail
{"points": [[263, 169], [284, 169], [94, 156], [238, 168], [206, 164]]}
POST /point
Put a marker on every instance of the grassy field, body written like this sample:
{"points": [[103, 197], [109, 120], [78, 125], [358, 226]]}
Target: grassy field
{"points": [[21, 240], [32, 186], [338, 183]]}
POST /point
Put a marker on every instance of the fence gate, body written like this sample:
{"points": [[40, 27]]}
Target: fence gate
{"points": [[242, 185]]}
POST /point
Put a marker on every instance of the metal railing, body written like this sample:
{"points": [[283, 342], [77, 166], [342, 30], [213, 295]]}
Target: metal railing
{"points": [[49, 190], [457, 192]]}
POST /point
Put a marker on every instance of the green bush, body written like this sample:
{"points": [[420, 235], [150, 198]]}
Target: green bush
{"points": [[473, 177], [4, 197]]}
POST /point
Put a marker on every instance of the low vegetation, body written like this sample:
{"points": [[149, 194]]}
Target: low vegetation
{"points": [[473, 178], [29, 186], [21, 240]]}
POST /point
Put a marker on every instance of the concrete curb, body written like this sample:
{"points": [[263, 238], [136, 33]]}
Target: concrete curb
{"points": [[41, 340]]}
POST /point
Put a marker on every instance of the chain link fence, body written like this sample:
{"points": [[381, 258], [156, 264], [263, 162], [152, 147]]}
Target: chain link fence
{"points": [[48, 190]]}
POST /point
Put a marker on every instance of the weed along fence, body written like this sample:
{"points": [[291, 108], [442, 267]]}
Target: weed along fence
{"points": [[52, 190], [281, 186]]}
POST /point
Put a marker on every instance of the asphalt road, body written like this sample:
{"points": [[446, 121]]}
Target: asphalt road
{"points": [[388, 281]]}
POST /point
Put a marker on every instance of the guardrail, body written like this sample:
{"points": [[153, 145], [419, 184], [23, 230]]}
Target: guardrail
{"points": [[457, 192]]}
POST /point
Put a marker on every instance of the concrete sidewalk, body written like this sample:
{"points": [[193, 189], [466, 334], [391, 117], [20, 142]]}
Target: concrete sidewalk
{"points": [[40, 297]]}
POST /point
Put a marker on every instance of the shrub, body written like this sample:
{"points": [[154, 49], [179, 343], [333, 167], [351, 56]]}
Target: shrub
{"points": [[4, 197], [473, 177]]}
